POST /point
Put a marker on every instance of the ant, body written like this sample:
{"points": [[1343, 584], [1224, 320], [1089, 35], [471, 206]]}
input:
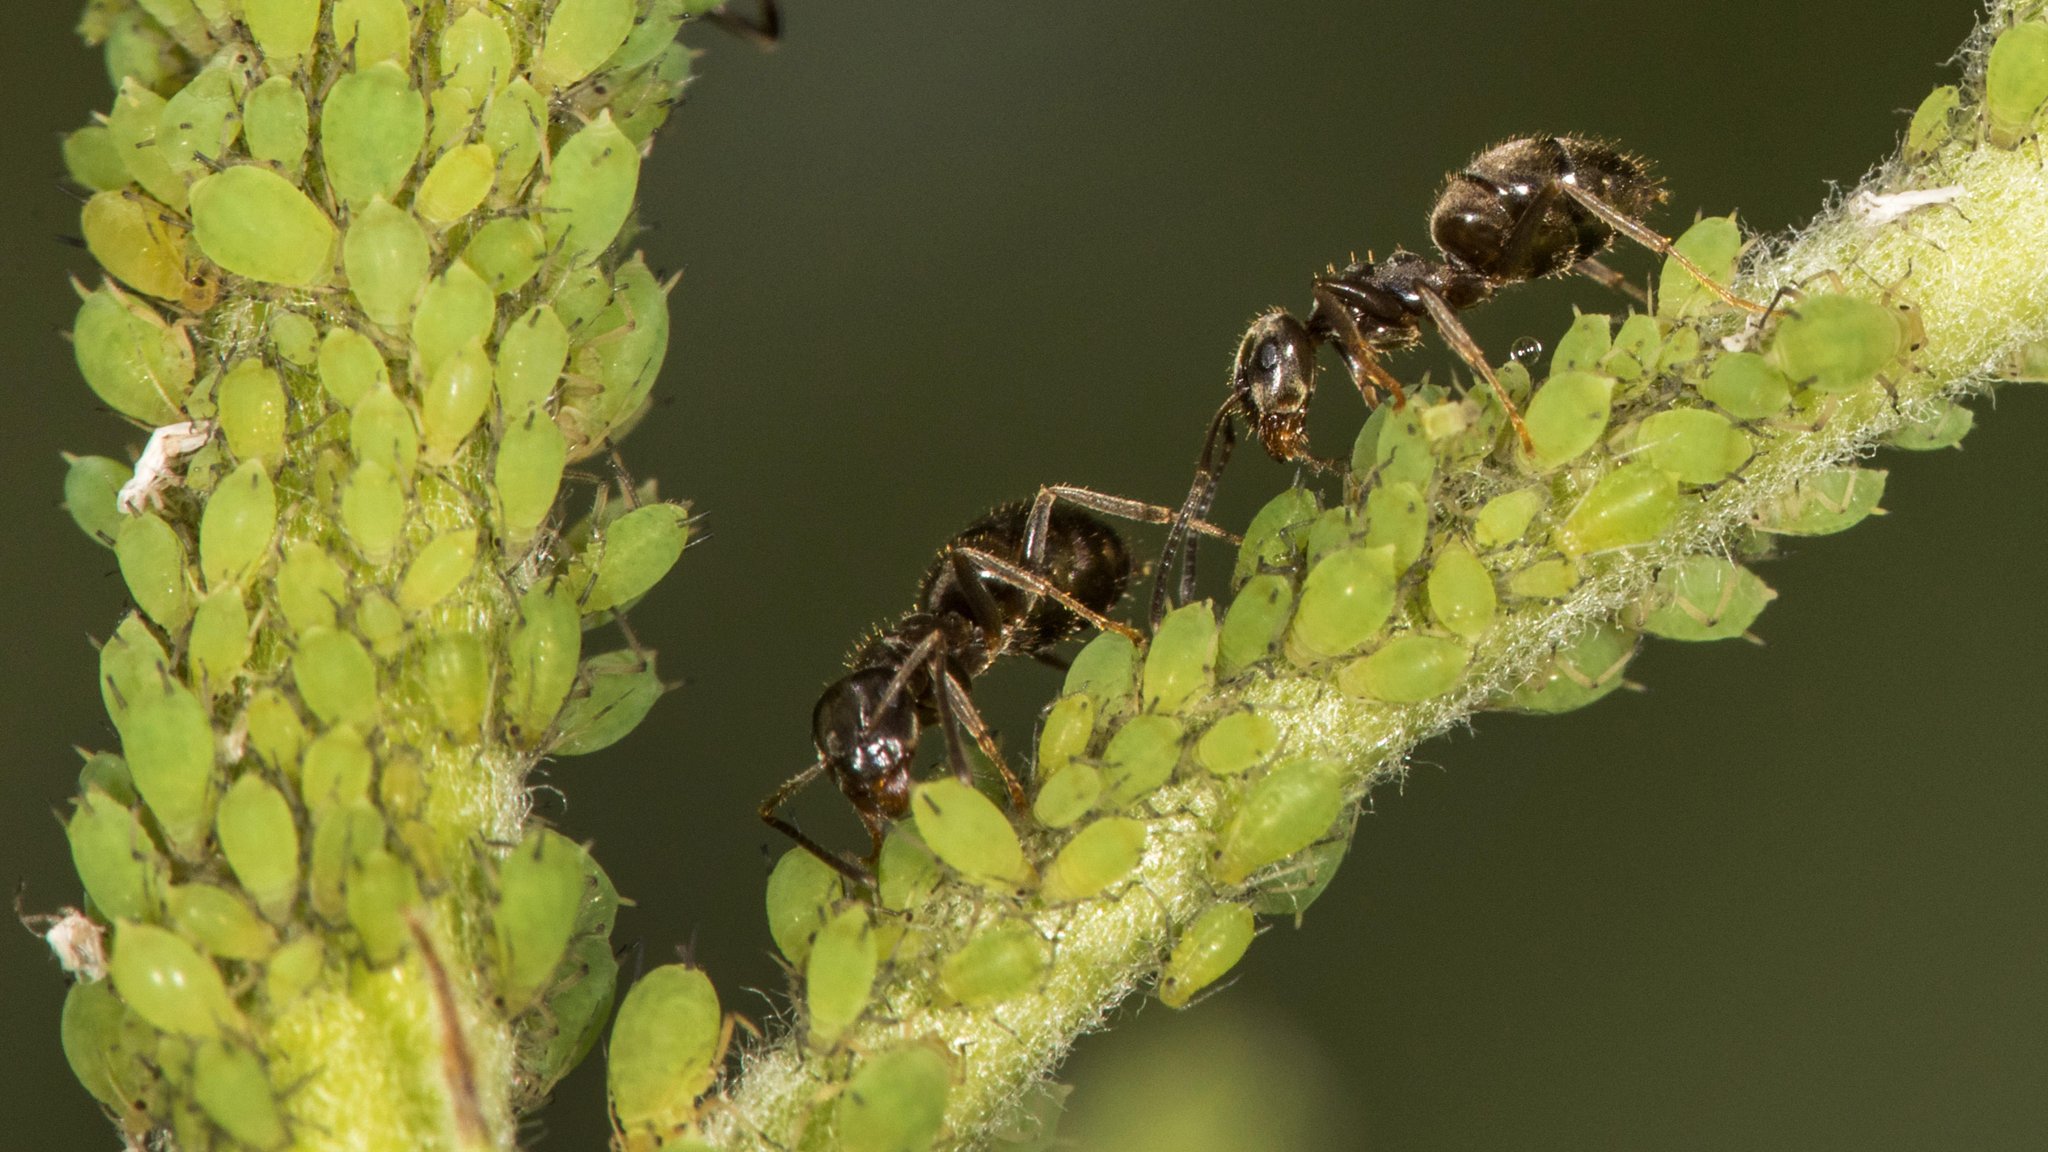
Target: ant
{"points": [[1017, 581], [763, 29], [1532, 207]]}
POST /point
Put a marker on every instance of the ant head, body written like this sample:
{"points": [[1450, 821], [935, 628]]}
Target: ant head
{"points": [[865, 744], [1273, 380]]}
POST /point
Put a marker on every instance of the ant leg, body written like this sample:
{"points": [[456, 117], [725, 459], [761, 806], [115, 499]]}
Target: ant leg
{"points": [[1367, 375], [987, 612], [1461, 342], [1038, 585], [1611, 280], [1635, 230], [764, 29], [917, 658], [1180, 549], [1054, 661], [956, 707], [1137, 511], [791, 787]]}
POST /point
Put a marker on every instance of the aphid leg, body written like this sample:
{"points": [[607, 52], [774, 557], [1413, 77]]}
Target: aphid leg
{"points": [[1038, 585], [763, 29], [956, 707], [1598, 272], [1180, 548], [1468, 350], [1367, 374], [1635, 230], [791, 787]]}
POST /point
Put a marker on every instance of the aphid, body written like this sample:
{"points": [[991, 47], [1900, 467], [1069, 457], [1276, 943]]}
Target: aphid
{"points": [[1294, 885], [1140, 757], [541, 662], [1286, 810], [1018, 581], [387, 257], [168, 742], [1693, 444], [220, 921], [578, 1008], [906, 873], [373, 511], [455, 672], [137, 113], [1746, 386], [1631, 505], [1207, 950], [1000, 962], [92, 487], [1407, 669], [456, 311], [1706, 598], [1098, 856], [619, 689], [1933, 123], [336, 770], [630, 557], [276, 124], [1462, 597], [1103, 670], [1635, 350], [168, 983], [1066, 794], [120, 867], [590, 189], [1277, 534], [2015, 83], [581, 35], [1344, 603], [1256, 621], [237, 526], [476, 52], [373, 123], [138, 241], [802, 891], [1582, 671], [350, 366], [284, 29], [198, 123], [440, 568], [530, 360], [540, 890], [381, 891], [293, 969], [218, 645], [1826, 502], [453, 400], [1237, 743], [507, 252], [228, 1081], [513, 124], [336, 677], [382, 431], [1713, 244], [251, 405], [139, 365], [1837, 343], [1944, 426], [895, 1102], [967, 831], [1181, 660], [261, 843], [839, 975], [665, 1051], [255, 223], [92, 159], [1544, 580], [276, 734], [370, 31], [343, 837], [156, 469], [1568, 416], [1397, 516], [1069, 726]]}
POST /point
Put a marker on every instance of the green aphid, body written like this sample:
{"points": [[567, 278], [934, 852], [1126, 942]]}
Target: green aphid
{"points": [[336, 770], [1714, 243], [199, 123], [1933, 123], [2015, 83], [220, 922], [1001, 962], [1631, 505], [251, 406], [1344, 603], [294, 337], [802, 891], [237, 527], [138, 241], [276, 125], [622, 357], [452, 117], [1837, 343], [110, 1050], [1068, 728], [1580, 673], [1206, 951], [444, 565], [455, 670], [1747, 387], [1568, 416], [1286, 810], [1693, 444], [453, 400], [590, 189], [255, 223], [1407, 669], [646, 95], [1706, 598], [1254, 624], [907, 872], [1066, 794], [401, 784], [276, 734], [91, 484], [168, 742], [380, 891], [293, 970], [1291, 888], [457, 310], [138, 365], [540, 889], [1105, 668], [839, 975], [530, 360], [373, 123], [92, 159], [1550, 579], [387, 257], [108, 773], [260, 840], [218, 646], [1461, 593], [578, 1008], [514, 122], [372, 31], [228, 1081], [619, 689], [382, 431], [310, 586], [1943, 427], [507, 252], [541, 662], [1397, 517], [653, 32], [373, 511], [168, 983], [664, 1053], [632, 555], [133, 125], [1237, 743], [1339, 527], [1402, 452], [476, 52], [896, 1101], [351, 367], [116, 861], [1277, 534], [1584, 345], [341, 838], [1681, 348], [584, 292], [379, 620], [336, 677], [966, 830], [581, 35], [1505, 519], [1097, 858], [1140, 757], [1635, 349], [284, 29], [1181, 660], [133, 668], [456, 185], [1826, 502]]}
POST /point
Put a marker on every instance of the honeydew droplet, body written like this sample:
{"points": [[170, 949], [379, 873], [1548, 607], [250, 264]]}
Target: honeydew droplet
{"points": [[1099, 857], [1181, 661], [664, 1051], [839, 975], [1285, 810], [139, 365], [1407, 669], [967, 831], [1001, 962], [1256, 621], [1206, 952], [373, 123], [168, 983], [138, 241], [255, 223], [260, 840]]}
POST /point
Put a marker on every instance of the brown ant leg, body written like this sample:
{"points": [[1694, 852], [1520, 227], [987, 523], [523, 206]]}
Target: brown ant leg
{"points": [[763, 29], [917, 659], [1635, 230], [1180, 548], [1038, 585], [791, 787], [1367, 374], [1598, 272], [956, 707], [1039, 524], [1461, 342]]}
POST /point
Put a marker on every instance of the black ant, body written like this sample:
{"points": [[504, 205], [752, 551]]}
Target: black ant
{"points": [[1532, 207], [1017, 581], [763, 29]]}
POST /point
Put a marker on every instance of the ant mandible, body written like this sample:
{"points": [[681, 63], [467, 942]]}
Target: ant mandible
{"points": [[1532, 207], [1017, 581]]}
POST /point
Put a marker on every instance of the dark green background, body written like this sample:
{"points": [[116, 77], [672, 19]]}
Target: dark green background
{"points": [[934, 254]]}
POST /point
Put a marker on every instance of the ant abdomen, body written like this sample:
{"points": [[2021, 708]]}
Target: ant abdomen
{"points": [[1080, 555], [1505, 217]]}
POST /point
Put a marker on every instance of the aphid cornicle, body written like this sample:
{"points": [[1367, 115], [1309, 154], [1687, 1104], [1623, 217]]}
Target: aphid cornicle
{"points": [[1531, 207]]}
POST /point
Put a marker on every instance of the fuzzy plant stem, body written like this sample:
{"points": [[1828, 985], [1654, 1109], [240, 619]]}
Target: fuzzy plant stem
{"points": [[1971, 260]]}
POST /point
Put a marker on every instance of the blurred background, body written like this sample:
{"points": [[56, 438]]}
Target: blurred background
{"points": [[935, 254]]}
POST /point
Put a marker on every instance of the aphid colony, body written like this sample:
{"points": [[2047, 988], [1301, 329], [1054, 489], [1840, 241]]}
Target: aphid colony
{"points": [[359, 289]]}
